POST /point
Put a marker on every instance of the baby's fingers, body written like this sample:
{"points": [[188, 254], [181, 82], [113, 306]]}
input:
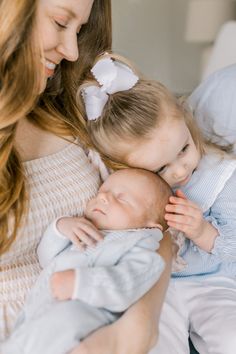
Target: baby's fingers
{"points": [[77, 241], [89, 229], [83, 237]]}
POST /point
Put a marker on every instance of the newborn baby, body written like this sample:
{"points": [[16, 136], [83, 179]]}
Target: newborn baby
{"points": [[89, 280]]}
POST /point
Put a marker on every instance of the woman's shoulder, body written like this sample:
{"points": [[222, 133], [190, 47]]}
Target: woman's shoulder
{"points": [[34, 143]]}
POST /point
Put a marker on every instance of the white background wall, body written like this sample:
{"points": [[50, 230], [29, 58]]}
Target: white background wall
{"points": [[151, 33]]}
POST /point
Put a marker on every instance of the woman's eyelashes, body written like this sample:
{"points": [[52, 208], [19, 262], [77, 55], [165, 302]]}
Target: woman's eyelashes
{"points": [[63, 25], [60, 25]]}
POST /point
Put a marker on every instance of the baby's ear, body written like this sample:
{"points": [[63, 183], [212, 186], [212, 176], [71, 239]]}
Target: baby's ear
{"points": [[154, 224]]}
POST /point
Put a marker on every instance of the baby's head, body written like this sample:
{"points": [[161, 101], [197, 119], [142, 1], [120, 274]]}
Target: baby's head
{"points": [[130, 198]]}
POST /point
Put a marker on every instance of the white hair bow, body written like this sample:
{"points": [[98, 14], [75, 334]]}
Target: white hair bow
{"points": [[113, 77]]}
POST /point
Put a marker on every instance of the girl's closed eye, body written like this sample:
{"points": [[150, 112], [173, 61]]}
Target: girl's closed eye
{"points": [[161, 170], [185, 148]]}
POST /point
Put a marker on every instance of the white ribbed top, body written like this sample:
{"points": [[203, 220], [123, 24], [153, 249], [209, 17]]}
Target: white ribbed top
{"points": [[59, 184]]}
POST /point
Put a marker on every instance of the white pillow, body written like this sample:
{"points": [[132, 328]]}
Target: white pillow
{"points": [[214, 105]]}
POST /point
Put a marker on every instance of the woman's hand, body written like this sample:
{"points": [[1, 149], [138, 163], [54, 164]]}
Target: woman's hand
{"points": [[134, 333], [80, 231], [186, 216]]}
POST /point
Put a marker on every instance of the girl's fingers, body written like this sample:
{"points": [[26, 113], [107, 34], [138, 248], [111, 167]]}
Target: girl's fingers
{"points": [[178, 226], [180, 194], [180, 219], [182, 209], [182, 201]]}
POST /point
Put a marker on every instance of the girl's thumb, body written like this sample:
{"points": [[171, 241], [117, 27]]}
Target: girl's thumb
{"points": [[180, 194]]}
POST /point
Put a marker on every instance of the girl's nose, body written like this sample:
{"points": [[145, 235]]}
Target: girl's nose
{"points": [[180, 171]]}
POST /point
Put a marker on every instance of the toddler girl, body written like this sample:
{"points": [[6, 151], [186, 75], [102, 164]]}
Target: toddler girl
{"points": [[140, 123]]}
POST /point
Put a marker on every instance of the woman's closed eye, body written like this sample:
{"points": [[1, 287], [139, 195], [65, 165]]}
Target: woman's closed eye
{"points": [[61, 25]]}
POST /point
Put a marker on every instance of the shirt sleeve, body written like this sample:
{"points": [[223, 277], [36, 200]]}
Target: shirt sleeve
{"points": [[223, 217], [51, 244], [119, 286]]}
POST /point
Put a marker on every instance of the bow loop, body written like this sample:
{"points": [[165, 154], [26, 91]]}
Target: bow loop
{"points": [[113, 77], [95, 100]]}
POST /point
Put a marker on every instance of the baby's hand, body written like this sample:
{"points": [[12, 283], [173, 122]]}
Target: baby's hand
{"points": [[62, 284], [80, 231], [185, 216]]}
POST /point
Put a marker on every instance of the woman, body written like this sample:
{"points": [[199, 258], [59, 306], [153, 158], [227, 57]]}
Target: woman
{"points": [[47, 46]]}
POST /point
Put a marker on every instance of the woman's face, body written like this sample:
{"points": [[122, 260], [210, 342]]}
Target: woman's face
{"points": [[170, 151], [59, 22]]}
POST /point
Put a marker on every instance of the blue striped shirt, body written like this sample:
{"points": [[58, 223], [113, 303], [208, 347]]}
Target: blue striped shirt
{"points": [[213, 188]]}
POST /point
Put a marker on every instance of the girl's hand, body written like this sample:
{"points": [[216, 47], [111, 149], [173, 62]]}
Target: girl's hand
{"points": [[129, 334], [185, 216], [80, 231], [62, 284]]}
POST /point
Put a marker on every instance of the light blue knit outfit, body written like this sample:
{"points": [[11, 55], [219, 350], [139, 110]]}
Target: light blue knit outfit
{"points": [[109, 278], [213, 188]]}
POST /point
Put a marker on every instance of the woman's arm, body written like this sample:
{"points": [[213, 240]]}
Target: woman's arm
{"points": [[136, 331]]}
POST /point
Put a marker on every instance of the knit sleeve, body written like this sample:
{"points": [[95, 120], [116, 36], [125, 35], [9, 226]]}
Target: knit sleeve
{"points": [[223, 217], [118, 286], [51, 244]]}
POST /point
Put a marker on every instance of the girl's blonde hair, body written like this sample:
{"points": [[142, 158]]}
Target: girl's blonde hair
{"points": [[130, 116], [20, 83]]}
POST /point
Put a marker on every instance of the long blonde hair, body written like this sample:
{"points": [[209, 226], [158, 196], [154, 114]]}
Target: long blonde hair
{"points": [[20, 82], [130, 116]]}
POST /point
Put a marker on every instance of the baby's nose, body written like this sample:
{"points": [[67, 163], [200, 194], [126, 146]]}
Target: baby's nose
{"points": [[103, 197]]}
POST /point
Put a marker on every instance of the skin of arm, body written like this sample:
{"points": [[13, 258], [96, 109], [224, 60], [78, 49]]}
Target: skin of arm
{"points": [[139, 322]]}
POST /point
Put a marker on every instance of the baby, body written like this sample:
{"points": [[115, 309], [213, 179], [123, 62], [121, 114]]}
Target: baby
{"points": [[107, 277]]}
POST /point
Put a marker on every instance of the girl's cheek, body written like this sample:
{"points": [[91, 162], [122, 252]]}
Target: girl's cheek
{"points": [[167, 179]]}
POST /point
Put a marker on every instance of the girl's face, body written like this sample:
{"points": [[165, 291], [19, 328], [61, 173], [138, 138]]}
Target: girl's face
{"points": [[170, 151], [59, 22]]}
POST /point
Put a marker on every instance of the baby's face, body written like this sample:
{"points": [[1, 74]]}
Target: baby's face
{"points": [[121, 202]]}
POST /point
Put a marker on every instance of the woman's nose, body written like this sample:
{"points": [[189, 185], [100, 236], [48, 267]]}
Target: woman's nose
{"points": [[68, 47]]}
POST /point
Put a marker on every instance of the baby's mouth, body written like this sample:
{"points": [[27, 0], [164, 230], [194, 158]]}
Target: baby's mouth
{"points": [[96, 210]]}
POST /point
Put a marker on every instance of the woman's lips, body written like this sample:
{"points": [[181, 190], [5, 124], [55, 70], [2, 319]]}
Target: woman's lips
{"points": [[49, 67]]}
